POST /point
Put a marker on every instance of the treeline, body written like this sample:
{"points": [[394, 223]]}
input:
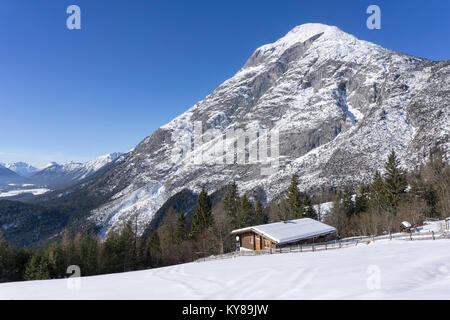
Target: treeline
{"points": [[393, 197], [121, 251]]}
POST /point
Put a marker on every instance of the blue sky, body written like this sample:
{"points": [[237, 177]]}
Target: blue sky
{"points": [[135, 65]]}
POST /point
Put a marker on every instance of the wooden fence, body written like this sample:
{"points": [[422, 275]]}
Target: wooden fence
{"points": [[332, 245]]}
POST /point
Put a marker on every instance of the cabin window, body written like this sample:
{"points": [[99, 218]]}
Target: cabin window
{"points": [[266, 243], [251, 240]]}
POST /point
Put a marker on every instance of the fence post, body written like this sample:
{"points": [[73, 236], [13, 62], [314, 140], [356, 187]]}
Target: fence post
{"points": [[433, 235], [313, 247], [301, 248], [326, 246], [390, 235], [340, 244], [410, 236]]}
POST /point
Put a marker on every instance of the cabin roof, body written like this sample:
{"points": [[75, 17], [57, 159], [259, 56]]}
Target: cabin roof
{"points": [[290, 230]]}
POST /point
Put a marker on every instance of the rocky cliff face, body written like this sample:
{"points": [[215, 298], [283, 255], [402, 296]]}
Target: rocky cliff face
{"points": [[340, 106]]}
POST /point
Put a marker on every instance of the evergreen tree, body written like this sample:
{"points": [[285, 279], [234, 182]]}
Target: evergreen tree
{"points": [[89, 253], [202, 218], [294, 200], [348, 203], [394, 182], [231, 203], [37, 268], [112, 260], [376, 193], [261, 216], [55, 257], [246, 215], [7, 261], [153, 252], [22, 256], [127, 247], [362, 199], [307, 209]]}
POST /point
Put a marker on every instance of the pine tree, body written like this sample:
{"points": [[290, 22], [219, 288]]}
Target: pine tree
{"points": [[231, 203], [127, 247], [37, 268], [394, 181], [55, 256], [261, 216], [89, 253], [376, 193], [7, 262], [362, 199], [153, 252], [348, 203], [294, 199], [246, 212], [111, 257], [307, 209], [202, 218]]}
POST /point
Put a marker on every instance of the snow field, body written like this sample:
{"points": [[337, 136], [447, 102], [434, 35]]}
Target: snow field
{"points": [[382, 270]]}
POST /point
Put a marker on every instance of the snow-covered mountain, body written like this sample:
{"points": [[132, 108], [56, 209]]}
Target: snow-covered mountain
{"points": [[21, 168], [340, 106], [57, 175], [7, 175]]}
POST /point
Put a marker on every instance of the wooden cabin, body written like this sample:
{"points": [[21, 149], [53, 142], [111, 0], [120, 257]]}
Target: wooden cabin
{"points": [[279, 234]]}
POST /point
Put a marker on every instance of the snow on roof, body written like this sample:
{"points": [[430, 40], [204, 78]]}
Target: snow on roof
{"points": [[406, 224], [290, 230]]}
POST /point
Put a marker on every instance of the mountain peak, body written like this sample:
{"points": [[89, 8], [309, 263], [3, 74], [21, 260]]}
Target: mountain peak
{"points": [[48, 165], [21, 168], [326, 42]]}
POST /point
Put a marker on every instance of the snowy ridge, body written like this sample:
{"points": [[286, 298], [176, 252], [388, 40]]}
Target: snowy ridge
{"points": [[21, 168], [58, 175]]}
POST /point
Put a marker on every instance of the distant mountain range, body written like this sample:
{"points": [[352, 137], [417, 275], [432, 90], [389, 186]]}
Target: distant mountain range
{"points": [[21, 168], [53, 175]]}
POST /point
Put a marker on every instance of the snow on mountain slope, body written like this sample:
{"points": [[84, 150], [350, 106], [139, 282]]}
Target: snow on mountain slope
{"points": [[381, 270], [21, 168], [17, 192], [340, 106]]}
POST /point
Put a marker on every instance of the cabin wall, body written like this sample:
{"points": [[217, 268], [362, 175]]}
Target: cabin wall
{"points": [[254, 241], [248, 241]]}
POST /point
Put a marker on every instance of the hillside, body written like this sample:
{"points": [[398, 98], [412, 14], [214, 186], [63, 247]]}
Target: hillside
{"points": [[408, 270]]}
